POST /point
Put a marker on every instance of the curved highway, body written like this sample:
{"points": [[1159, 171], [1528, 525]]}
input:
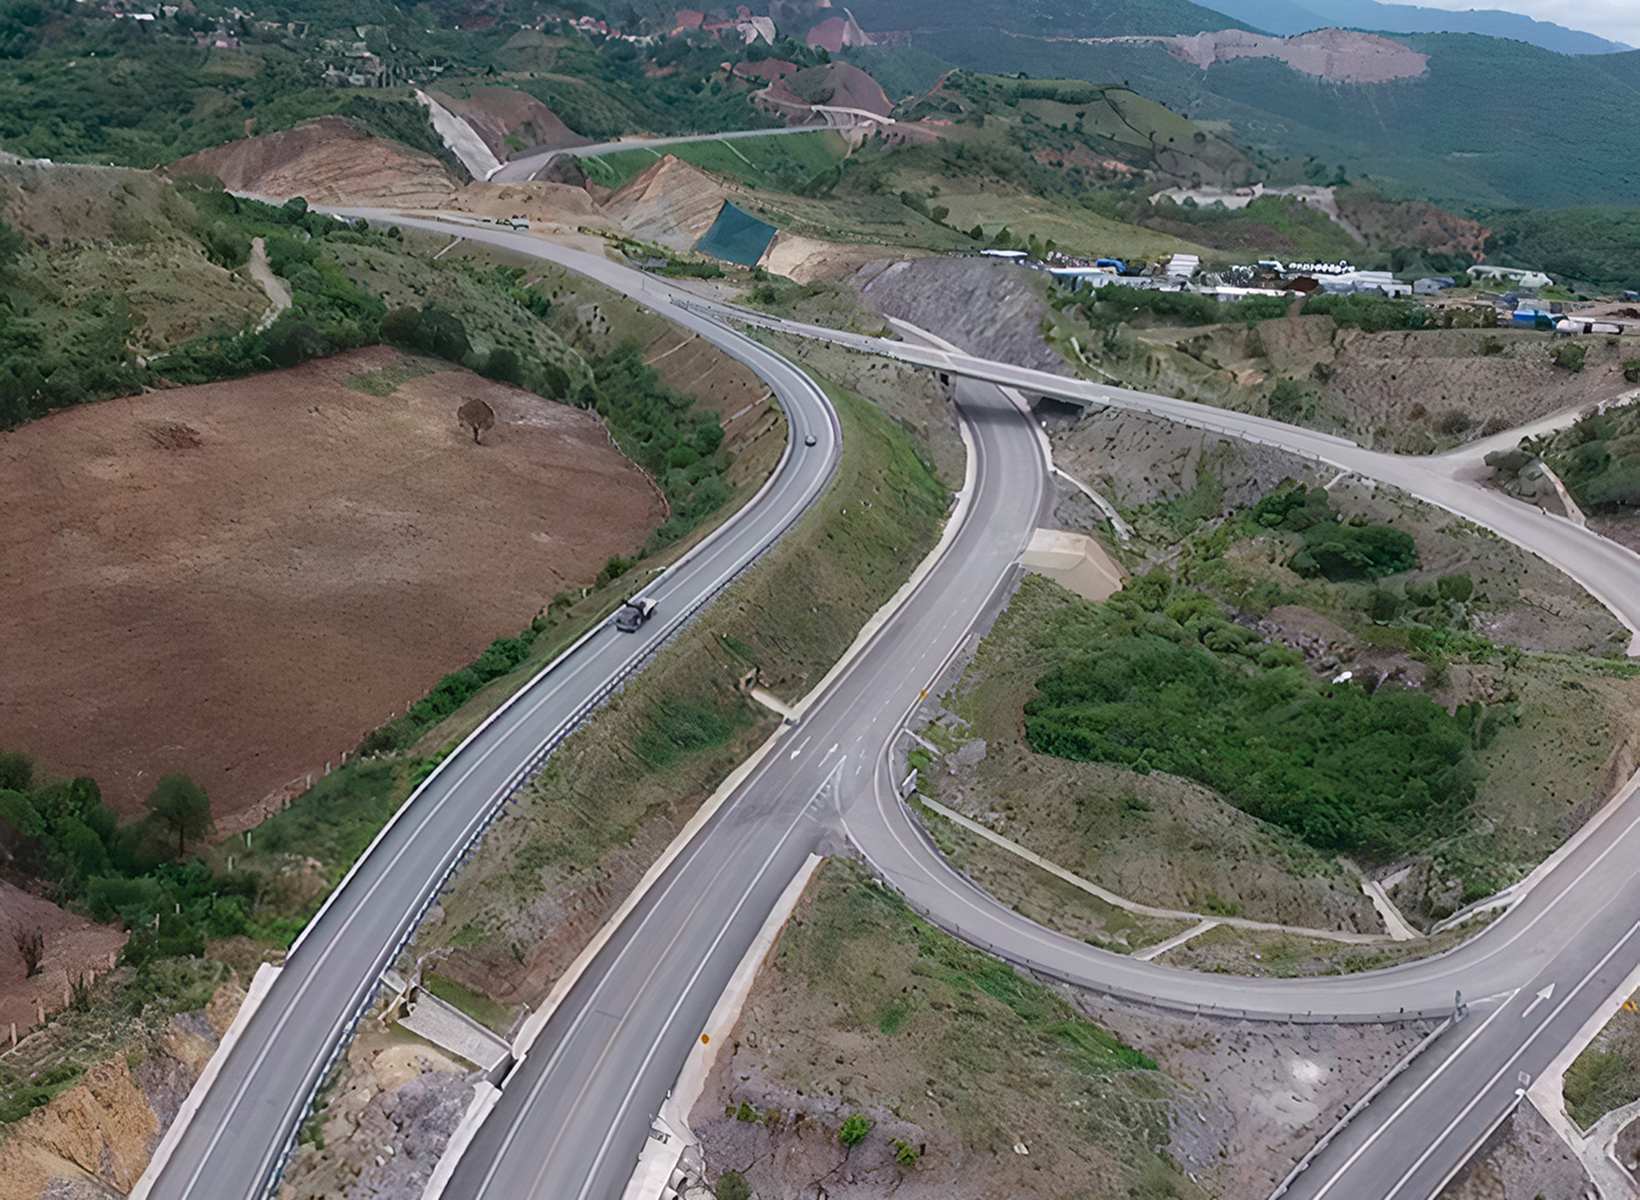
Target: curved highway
{"points": [[574, 1111], [237, 1141]]}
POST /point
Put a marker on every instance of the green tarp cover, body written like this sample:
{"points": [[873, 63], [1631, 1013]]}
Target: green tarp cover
{"points": [[736, 237]]}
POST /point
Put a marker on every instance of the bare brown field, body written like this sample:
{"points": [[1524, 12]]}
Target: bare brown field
{"points": [[238, 580]]}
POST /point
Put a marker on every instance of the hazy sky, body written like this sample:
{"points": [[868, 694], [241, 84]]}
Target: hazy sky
{"points": [[1618, 20]]}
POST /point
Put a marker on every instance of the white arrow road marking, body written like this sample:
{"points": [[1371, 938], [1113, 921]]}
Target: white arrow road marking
{"points": [[833, 749], [1539, 999], [799, 749]]}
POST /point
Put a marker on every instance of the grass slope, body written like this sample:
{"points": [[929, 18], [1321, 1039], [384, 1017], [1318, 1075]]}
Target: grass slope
{"points": [[784, 163]]}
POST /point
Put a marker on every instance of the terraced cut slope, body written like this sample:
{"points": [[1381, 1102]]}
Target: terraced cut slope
{"points": [[238, 580]]}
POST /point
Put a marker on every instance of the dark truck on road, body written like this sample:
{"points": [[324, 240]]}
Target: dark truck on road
{"points": [[633, 614]]}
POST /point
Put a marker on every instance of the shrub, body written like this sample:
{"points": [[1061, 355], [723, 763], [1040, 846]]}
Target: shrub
{"points": [[1569, 356], [1346, 770], [854, 1130], [732, 1185]]}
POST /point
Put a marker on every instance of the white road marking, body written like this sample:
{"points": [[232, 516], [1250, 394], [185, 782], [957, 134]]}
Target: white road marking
{"points": [[1539, 999]]}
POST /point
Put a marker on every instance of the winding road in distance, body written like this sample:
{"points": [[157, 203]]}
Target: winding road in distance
{"points": [[576, 1109]]}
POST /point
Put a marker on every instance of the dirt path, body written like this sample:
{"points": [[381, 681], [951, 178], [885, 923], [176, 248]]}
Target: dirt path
{"points": [[278, 294]]}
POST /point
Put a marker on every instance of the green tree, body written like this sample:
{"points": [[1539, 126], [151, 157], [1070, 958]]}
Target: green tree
{"points": [[732, 1185], [181, 805]]}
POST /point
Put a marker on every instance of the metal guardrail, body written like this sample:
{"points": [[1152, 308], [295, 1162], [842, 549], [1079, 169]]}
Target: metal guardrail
{"points": [[516, 783]]}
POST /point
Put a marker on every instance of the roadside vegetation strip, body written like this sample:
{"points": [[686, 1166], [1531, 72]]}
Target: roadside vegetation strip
{"points": [[945, 1047]]}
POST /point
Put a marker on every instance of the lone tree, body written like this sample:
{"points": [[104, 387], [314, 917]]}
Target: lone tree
{"points": [[181, 804], [477, 416]]}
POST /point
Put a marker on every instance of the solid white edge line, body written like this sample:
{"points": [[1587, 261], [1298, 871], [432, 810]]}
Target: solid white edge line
{"points": [[658, 1160], [261, 983]]}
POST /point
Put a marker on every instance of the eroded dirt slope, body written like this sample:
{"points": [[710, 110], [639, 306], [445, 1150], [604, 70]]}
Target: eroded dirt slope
{"points": [[329, 162]]}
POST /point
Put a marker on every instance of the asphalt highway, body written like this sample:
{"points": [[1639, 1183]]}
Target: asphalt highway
{"points": [[575, 1111], [237, 1141]]}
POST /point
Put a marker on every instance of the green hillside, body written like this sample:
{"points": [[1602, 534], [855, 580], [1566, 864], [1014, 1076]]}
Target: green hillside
{"points": [[979, 19], [1493, 123]]}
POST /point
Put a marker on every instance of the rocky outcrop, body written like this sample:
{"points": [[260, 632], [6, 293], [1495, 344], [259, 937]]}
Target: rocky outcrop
{"points": [[328, 161], [95, 1139], [1336, 55], [510, 122]]}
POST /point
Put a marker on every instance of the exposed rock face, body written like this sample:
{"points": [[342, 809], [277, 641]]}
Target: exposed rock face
{"points": [[989, 308], [1338, 55], [329, 162], [95, 1139], [673, 203]]}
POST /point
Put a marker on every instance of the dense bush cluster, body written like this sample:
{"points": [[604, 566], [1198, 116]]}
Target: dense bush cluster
{"points": [[1105, 307], [677, 443], [1332, 548], [329, 311], [1370, 313], [63, 832], [1161, 679]]}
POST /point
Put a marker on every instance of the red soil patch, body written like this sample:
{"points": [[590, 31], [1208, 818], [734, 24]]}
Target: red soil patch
{"points": [[239, 580], [74, 948]]}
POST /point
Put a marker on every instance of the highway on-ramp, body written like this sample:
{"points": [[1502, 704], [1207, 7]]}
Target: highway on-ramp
{"points": [[238, 1139]]}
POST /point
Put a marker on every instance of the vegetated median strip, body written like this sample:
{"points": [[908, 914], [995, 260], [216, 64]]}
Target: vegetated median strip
{"points": [[660, 1156], [533, 1025], [1145, 910]]}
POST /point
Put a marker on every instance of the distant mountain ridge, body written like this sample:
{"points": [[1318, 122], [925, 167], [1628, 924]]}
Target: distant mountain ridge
{"points": [[1300, 16]]}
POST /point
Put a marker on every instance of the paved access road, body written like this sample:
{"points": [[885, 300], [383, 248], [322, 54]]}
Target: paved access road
{"points": [[248, 1118], [521, 169]]}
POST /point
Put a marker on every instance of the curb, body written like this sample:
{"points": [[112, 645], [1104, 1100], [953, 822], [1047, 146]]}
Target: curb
{"points": [[261, 984], [671, 1134], [485, 1097]]}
